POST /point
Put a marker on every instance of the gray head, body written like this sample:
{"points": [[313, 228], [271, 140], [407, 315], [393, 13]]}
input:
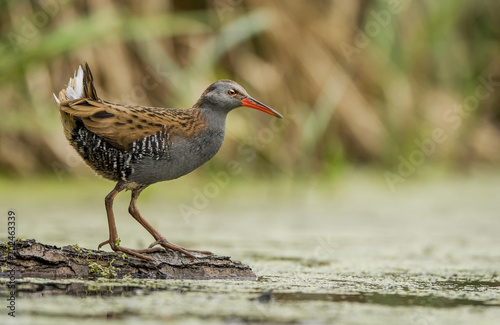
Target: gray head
{"points": [[225, 95]]}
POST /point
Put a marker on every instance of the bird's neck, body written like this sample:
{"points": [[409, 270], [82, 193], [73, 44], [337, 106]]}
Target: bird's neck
{"points": [[214, 119]]}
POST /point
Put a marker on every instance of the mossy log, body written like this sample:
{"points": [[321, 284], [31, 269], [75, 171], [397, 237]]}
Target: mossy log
{"points": [[28, 258]]}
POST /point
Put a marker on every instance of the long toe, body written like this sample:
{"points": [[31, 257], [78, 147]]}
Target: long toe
{"points": [[170, 246], [139, 252], [200, 252], [102, 244], [158, 242], [133, 252]]}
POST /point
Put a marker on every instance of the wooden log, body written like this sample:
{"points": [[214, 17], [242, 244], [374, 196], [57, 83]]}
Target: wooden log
{"points": [[28, 258]]}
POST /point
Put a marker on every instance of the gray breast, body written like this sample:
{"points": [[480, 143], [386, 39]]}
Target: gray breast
{"points": [[180, 157]]}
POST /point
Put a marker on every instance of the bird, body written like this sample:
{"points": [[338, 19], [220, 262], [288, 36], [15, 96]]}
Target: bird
{"points": [[137, 146]]}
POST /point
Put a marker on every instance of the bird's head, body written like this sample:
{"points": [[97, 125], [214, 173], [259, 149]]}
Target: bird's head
{"points": [[226, 95]]}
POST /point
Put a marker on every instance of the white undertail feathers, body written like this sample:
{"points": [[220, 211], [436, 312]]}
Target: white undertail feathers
{"points": [[74, 89]]}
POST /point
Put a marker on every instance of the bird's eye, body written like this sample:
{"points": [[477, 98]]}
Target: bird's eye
{"points": [[231, 92]]}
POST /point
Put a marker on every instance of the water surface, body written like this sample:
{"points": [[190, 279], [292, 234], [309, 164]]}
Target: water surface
{"points": [[350, 251]]}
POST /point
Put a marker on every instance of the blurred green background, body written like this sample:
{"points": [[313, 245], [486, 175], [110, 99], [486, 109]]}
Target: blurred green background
{"points": [[392, 85]]}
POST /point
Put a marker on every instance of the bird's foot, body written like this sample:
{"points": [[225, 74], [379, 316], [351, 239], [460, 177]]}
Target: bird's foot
{"points": [[162, 241], [134, 252]]}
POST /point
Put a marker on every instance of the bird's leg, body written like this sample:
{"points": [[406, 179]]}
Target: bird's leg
{"points": [[108, 201], [159, 239], [113, 234]]}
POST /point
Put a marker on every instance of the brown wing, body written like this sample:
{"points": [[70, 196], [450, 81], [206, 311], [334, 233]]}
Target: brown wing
{"points": [[121, 125]]}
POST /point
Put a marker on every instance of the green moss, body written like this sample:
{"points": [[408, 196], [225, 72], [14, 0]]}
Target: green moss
{"points": [[108, 272], [8, 248], [77, 248], [95, 268]]}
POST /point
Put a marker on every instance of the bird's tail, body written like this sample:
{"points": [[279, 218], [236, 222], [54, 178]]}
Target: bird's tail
{"points": [[80, 86]]}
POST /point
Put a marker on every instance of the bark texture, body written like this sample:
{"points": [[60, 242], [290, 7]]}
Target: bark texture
{"points": [[28, 258]]}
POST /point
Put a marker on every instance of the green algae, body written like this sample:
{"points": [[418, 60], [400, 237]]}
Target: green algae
{"points": [[360, 255]]}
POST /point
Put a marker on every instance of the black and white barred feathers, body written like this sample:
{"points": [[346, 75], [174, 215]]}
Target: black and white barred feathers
{"points": [[113, 163]]}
